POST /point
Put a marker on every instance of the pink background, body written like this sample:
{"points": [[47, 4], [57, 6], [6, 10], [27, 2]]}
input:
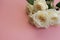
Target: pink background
{"points": [[14, 23]]}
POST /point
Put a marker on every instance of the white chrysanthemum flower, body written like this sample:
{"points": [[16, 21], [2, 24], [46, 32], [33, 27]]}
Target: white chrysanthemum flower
{"points": [[29, 8], [40, 5], [58, 13], [41, 19], [54, 17]]}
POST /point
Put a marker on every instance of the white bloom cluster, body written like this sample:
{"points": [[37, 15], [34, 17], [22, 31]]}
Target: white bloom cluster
{"points": [[41, 16], [43, 19]]}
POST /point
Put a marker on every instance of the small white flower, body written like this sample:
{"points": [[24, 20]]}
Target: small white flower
{"points": [[54, 17], [40, 5], [30, 8], [41, 19]]}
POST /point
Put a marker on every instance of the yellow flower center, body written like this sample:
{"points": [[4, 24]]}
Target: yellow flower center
{"points": [[38, 7], [42, 17]]}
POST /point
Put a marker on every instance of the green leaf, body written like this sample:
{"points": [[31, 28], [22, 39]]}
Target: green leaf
{"points": [[49, 0], [58, 4], [30, 1], [50, 3], [49, 6]]}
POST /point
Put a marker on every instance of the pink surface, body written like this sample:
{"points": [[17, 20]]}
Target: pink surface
{"points": [[14, 23]]}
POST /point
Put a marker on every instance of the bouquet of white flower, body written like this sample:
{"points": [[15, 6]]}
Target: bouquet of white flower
{"points": [[42, 13]]}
